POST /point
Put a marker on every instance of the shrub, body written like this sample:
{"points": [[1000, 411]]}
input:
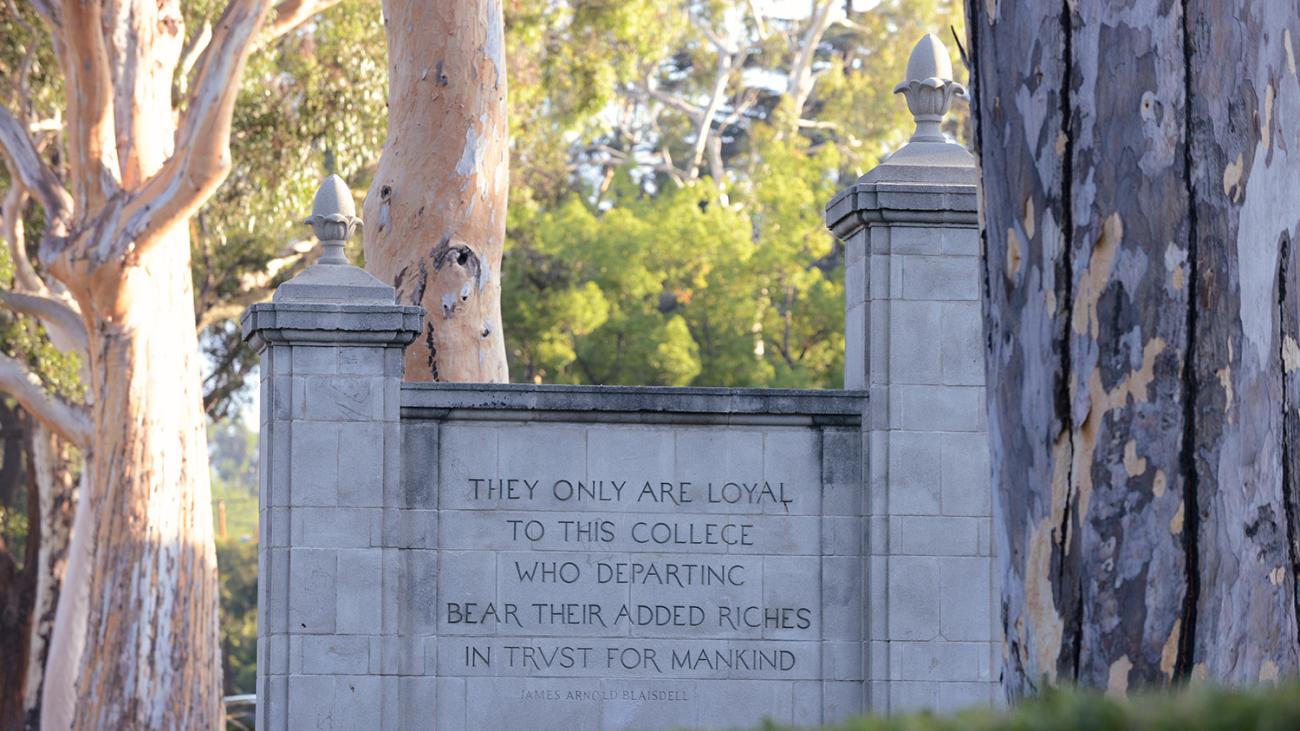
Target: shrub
{"points": [[1200, 708]]}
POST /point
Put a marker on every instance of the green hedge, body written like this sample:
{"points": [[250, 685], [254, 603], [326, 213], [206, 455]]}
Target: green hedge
{"points": [[1196, 709]]}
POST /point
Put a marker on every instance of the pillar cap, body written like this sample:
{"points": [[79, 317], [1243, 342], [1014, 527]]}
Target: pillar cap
{"points": [[929, 157], [333, 279]]}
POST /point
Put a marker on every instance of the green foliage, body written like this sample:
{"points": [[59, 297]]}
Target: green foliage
{"points": [[232, 462], [623, 268], [1196, 709], [238, 562]]}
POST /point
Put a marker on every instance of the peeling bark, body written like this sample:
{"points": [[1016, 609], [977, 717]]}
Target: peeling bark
{"points": [[1138, 212], [435, 214]]}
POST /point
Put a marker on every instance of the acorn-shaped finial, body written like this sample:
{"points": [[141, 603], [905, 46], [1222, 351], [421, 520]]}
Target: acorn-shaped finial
{"points": [[333, 218], [929, 87]]}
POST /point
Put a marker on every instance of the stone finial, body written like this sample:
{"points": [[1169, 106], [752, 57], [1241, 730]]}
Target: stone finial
{"points": [[333, 279], [333, 218], [929, 87]]}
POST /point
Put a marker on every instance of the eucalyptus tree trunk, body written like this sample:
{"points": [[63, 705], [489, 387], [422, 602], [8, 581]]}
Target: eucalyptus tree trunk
{"points": [[134, 642], [1142, 316], [435, 215]]}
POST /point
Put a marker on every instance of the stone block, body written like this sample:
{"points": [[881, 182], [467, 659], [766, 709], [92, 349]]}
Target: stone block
{"points": [[842, 471], [465, 452], [877, 591], [273, 590], [914, 597], [915, 349], [315, 359], [449, 710], [908, 696], [916, 239], [311, 702], [620, 453], [793, 457], [939, 408], [385, 655], [895, 290], [964, 460], [312, 577], [546, 453], [855, 285], [878, 659], [915, 473], [276, 467], [879, 275], [807, 700], [420, 450], [274, 526], [362, 361], [705, 455], [878, 348], [335, 654], [358, 702], [962, 337], [856, 356], [409, 529], [338, 398], [878, 535], [939, 660], [965, 601], [330, 527], [878, 696], [361, 464], [925, 535], [880, 236], [855, 246], [842, 701], [279, 402], [416, 698], [941, 277], [841, 598], [842, 661], [314, 460], [360, 591], [962, 696], [273, 711], [842, 536], [961, 240]]}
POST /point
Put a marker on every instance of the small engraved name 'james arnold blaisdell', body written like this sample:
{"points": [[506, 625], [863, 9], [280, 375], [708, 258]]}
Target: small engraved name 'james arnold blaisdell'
{"points": [[597, 694]]}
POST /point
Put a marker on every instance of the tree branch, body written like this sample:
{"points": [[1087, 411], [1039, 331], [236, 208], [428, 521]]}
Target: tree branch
{"points": [[48, 12], [801, 79], [26, 163], [79, 42], [11, 225], [290, 14], [70, 421], [202, 158], [65, 325]]}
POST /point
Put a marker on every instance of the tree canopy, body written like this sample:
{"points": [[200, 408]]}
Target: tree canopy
{"points": [[669, 165]]}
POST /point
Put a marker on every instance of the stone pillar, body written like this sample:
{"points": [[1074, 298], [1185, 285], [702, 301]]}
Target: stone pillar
{"points": [[331, 345], [914, 341]]}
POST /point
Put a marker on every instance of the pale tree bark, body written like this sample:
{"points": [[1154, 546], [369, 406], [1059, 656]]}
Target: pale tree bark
{"points": [[56, 489], [435, 214], [1142, 322], [134, 642]]}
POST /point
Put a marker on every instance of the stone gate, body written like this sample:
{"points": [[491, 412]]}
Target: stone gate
{"points": [[439, 556]]}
